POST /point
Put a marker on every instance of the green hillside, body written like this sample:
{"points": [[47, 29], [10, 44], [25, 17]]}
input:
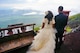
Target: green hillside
{"points": [[74, 20]]}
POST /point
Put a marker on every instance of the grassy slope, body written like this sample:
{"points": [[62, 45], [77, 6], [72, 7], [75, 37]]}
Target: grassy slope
{"points": [[74, 20]]}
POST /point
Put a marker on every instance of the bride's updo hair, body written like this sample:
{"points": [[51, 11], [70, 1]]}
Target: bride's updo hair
{"points": [[49, 16]]}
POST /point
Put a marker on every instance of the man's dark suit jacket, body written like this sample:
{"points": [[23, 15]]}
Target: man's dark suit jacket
{"points": [[61, 21]]}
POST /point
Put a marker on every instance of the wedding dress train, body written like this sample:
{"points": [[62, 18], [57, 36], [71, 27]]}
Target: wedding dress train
{"points": [[44, 41]]}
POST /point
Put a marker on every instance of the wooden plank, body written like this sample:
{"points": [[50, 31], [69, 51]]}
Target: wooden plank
{"points": [[16, 43]]}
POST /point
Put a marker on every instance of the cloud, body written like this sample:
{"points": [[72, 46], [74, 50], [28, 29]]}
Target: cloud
{"points": [[44, 5], [34, 13], [31, 13]]}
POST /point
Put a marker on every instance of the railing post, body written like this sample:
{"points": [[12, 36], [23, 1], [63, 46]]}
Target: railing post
{"points": [[1, 34], [10, 32], [33, 26], [18, 31], [23, 29]]}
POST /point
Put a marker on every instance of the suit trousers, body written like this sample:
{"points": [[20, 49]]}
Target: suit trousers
{"points": [[59, 36]]}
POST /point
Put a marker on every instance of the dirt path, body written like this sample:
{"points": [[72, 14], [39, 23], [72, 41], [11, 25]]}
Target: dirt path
{"points": [[71, 43]]}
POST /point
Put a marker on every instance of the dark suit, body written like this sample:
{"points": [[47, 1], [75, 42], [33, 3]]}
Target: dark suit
{"points": [[60, 23]]}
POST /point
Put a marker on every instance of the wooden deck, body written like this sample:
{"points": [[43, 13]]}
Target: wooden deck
{"points": [[15, 41], [21, 42]]}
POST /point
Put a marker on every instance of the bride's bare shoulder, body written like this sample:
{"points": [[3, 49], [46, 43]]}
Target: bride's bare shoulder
{"points": [[44, 20]]}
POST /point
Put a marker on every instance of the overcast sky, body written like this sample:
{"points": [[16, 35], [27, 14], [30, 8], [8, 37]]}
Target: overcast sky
{"points": [[42, 5]]}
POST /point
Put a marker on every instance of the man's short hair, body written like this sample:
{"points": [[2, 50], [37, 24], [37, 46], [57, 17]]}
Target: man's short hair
{"points": [[60, 8]]}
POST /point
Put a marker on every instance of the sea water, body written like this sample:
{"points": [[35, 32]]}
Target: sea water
{"points": [[15, 19]]}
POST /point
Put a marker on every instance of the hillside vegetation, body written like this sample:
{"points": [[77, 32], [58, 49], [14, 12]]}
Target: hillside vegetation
{"points": [[74, 20]]}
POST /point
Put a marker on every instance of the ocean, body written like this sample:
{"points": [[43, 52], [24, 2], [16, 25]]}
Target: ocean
{"points": [[27, 19]]}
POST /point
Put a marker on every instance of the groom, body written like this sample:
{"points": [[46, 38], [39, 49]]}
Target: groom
{"points": [[60, 23]]}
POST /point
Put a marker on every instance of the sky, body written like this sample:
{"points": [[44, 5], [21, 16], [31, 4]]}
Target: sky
{"points": [[42, 5]]}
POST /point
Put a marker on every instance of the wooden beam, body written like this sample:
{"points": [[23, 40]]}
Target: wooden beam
{"points": [[16, 27]]}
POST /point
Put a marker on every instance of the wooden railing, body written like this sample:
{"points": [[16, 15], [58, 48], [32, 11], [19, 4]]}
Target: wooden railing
{"points": [[20, 28], [15, 24]]}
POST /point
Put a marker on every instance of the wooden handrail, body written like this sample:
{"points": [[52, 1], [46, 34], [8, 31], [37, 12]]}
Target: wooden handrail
{"points": [[16, 27]]}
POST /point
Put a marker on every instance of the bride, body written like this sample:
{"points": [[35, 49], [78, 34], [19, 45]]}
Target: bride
{"points": [[44, 41]]}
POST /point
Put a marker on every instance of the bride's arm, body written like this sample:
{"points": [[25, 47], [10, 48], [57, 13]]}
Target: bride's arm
{"points": [[42, 26], [53, 23], [43, 23]]}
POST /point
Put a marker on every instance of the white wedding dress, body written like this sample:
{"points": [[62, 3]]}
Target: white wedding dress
{"points": [[44, 41]]}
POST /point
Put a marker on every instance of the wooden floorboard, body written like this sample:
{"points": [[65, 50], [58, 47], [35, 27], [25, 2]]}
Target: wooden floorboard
{"points": [[15, 43]]}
